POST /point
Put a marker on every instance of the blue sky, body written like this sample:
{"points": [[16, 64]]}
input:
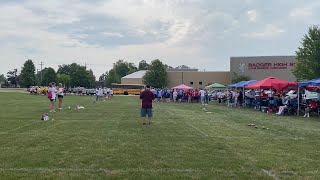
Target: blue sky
{"points": [[198, 33]]}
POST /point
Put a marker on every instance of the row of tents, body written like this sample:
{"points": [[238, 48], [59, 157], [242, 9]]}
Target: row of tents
{"points": [[267, 83]]}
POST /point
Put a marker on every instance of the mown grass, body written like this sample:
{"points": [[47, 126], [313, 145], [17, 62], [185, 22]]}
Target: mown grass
{"points": [[107, 140]]}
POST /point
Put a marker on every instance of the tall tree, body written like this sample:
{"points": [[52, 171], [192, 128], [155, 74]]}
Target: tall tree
{"points": [[183, 67], [157, 75], [3, 79], [238, 78], [49, 76], [124, 68], [104, 76], [121, 68], [80, 76], [143, 65], [13, 78], [91, 79], [132, 68], [167, 66], [308, 56], [113, 77], [64, 69], [64, 79], [28, 76]]}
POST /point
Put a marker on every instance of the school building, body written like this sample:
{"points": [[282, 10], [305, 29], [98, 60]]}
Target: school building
{"points": [[255, 67]]}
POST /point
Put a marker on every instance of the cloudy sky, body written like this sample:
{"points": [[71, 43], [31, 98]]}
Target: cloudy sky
{"points": [[199, 33]]}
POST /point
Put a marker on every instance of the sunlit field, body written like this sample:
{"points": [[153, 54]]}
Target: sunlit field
{"points": [[107, 140]]}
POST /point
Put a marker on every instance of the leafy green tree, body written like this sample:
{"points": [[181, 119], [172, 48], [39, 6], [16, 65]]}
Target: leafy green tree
{"points": [[123, 68], [13, 78], [183, 67], [132, 68], [157, 75], [167, 66], [64, 69], [113, 77], [28, 76], [143, 65], [91, 79], [308, 56], [104, 76], [49, 76], [64, 79], [238, 78], [3, 79], [80, 76]]}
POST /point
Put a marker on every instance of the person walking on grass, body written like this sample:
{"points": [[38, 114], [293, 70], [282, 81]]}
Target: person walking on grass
{"points": [[202, 96], [60, 95], [52, 95], [146, 98]]}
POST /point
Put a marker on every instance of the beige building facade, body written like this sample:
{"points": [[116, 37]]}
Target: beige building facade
{"points": [[195, 79], [256, 67], [260, 67]]}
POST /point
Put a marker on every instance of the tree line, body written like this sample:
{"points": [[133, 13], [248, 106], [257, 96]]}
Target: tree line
{"points": [[76, 75]]}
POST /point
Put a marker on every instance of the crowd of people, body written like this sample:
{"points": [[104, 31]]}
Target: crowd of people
{"points": [[57, 92], [280, 102], [179, 95], [232, 97]]}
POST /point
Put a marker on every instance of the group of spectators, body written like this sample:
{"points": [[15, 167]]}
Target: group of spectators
{"points": [[180, 95], [102, 93], [280, 102]]}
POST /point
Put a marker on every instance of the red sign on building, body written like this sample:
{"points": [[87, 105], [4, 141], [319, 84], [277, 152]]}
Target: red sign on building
{"points": [[270, 65]]}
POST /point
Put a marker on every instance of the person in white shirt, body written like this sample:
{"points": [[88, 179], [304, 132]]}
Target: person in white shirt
{"points": [[52, 95], [60, 95], [111, 93], [100, 94], [175, 95], [97, 94], [202, 96]]}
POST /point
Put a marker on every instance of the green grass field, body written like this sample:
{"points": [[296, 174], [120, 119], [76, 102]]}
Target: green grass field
{"points": [[107, 140]]}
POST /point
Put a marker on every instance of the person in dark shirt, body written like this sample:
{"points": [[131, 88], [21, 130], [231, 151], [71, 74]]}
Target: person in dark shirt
{"points": [[147, 98]]}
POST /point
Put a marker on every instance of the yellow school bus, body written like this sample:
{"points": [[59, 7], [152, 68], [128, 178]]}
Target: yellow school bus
{"points": [[127, 89]]}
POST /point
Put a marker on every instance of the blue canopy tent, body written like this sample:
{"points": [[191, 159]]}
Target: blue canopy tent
{"points": [[235, 85], [242, 84], [313, 82], [246, 83]]}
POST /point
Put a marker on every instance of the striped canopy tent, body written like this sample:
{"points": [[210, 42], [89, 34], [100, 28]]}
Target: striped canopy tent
{"points": [[215, 86]]}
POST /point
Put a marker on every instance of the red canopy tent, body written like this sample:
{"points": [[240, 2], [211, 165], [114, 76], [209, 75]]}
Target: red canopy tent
{"points": [[183, 87], [285, 86], [269, 83]]}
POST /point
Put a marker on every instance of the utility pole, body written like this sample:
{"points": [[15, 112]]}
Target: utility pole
{"points": [[41, 64]]}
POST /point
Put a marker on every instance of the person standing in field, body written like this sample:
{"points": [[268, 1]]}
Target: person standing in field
{"points": [[146, 98], [202, 96], [52, 95], [60, 95]]}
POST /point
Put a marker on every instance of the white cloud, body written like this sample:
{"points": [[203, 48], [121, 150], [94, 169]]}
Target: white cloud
{"points": [[269, 31], [113, 34], [252, 15], [308, 12], [193, 32]]}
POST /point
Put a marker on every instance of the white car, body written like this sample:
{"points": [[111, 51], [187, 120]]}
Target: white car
{"points": [[292, 94], [307, 95]]}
